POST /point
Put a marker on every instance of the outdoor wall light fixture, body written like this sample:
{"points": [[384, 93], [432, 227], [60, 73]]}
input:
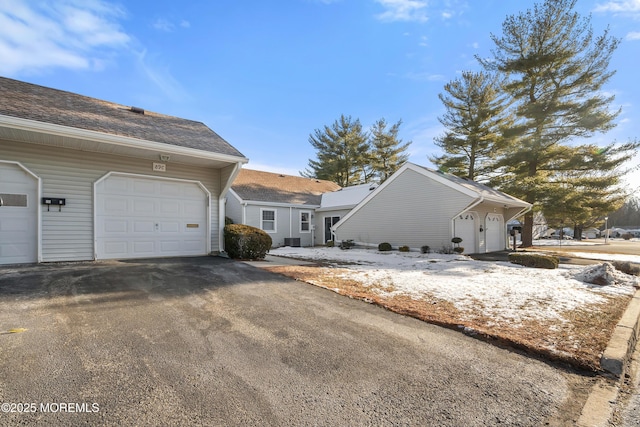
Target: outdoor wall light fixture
{"points": [[481, 229], [164, 157]]}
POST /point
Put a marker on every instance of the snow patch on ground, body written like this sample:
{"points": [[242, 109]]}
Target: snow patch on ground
{"points": [[504, 291]]}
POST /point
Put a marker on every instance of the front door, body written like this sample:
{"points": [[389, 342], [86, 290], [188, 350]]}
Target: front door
{"points": [[329, 221]]}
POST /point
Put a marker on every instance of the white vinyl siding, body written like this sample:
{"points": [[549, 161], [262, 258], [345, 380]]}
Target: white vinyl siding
{"points": [[411, 210], [65, 173], [233, 209]]}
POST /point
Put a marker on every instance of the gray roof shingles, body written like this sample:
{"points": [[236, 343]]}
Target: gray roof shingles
{"points": [[259, 186], [29, 101]]}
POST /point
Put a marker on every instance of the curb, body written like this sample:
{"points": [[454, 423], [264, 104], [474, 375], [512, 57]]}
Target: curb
{"points": [[623, 341], [600, 405]]}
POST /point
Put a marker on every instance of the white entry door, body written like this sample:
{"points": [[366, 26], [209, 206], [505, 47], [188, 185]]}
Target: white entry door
{"points": [[140, 217], [18, 215], [495, 233], [465, 227]]}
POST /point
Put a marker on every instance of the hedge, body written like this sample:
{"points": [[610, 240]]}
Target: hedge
{"points": [[246, 242], [534, 260]]}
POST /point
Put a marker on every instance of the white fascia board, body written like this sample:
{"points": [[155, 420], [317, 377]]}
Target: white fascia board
{"points": [[521, 212], [235, 195], [509, 202], [124, 141], [336, 208], [280, 205]]}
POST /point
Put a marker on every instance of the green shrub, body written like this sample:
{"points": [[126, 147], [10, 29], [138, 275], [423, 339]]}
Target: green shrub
{"points": [[227, 220], [246, 242], [384, 247], [627, 267], [627, 236], [330, 243], [534, 260], [404, 248], [458, 249], [347, 244], [425, 249]]}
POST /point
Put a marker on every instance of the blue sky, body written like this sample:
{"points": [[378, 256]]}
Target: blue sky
{"points": [[265, 74]]}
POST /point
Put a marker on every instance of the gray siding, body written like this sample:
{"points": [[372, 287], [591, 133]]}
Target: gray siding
{"points": [[411, 210], [233, 209], [287, 223], [68, 235]]}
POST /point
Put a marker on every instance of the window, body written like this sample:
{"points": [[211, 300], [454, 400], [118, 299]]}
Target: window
{"points": [[268, 220], [305, 222], [16, 200]]}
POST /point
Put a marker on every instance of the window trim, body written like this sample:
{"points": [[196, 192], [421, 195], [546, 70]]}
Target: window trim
{"points": [[301, 222], [275, 220]]}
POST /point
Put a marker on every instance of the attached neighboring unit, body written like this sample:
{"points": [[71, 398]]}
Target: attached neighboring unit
{"points": [[282, 205], [418, 206], [86, 179]]}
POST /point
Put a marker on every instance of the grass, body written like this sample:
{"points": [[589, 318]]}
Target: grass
{"points": [[579, 341]]}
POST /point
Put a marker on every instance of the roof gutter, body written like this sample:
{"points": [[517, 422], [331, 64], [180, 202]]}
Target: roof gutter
{"points": [[471, 206], [222, 204], [521, 212], [123, 141]]}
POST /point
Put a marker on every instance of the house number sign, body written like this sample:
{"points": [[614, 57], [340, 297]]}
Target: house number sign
{"points": [[159, 167]]}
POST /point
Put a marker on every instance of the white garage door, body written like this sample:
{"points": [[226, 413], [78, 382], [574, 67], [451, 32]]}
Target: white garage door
{"points": [[495, 233], [465, 228], [18, 215], [139, 217]]}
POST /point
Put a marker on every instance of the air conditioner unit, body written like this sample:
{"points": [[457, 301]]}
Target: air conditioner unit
{"points": [[294, 242]]}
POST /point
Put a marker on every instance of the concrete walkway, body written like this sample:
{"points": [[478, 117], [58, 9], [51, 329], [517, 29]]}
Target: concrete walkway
{"points": [[277, 261]]}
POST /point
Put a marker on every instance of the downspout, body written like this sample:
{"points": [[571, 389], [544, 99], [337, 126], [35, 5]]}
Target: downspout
{"points": [[221, 204], [290, 221], [244, 213]]}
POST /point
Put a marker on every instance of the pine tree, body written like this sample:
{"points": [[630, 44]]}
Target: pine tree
{"points": [[583, 193], [342, 152], [388, 152], [475, 119], [556, 70]]}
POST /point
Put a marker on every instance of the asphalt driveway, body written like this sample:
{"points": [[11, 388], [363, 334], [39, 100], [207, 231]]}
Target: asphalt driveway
{"points": [[208, 341]]}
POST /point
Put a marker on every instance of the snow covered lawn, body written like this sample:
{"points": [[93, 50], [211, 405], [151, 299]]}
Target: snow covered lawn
{"points": [[551, 311]]}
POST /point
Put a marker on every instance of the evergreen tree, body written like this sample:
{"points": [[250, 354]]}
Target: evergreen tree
{"points": [[628, 215], [342, 152], [347, 155], [475, 119], [388, 152], [556, 71], [584, 193]]}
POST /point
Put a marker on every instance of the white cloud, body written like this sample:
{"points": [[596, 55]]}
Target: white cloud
{"points": [[428, 77], [403, 10], [163, 24], [634, 35], [618, 6], [161, 76], [66, 33]]}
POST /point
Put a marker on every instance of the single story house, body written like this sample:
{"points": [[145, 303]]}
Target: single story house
{"points": [[418, 206], [282, 205], [87, 179]]}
